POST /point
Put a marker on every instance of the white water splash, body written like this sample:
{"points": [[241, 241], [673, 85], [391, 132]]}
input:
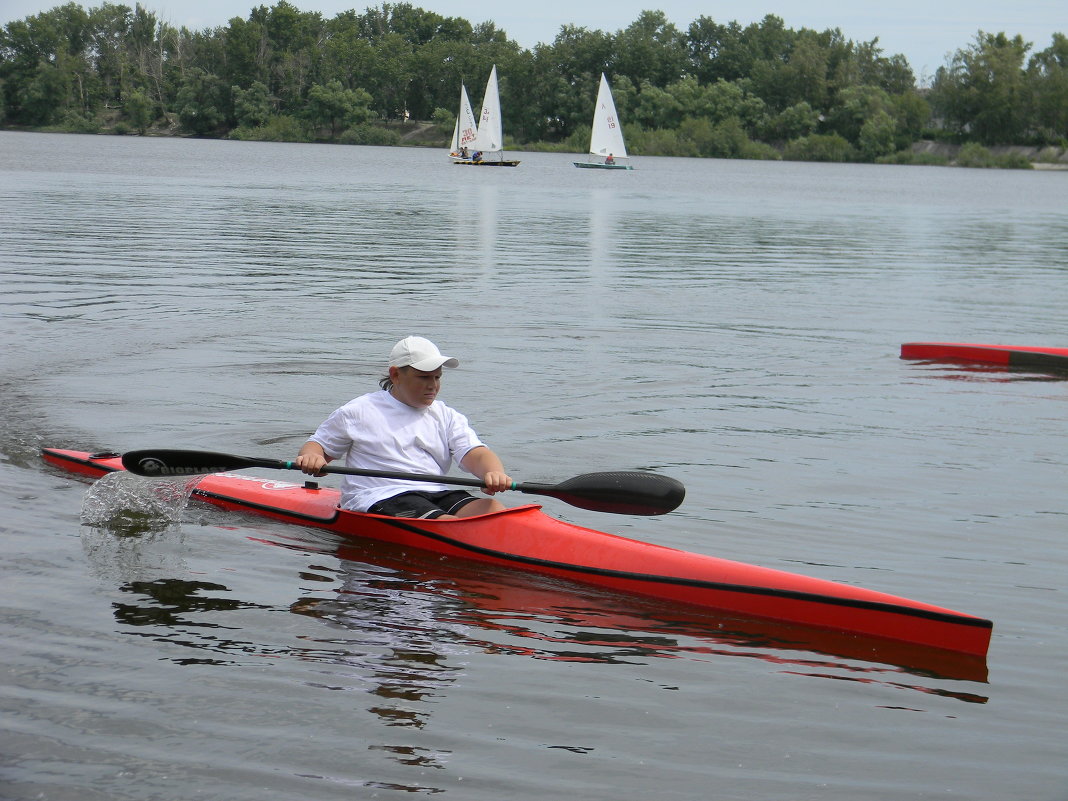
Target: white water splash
{"points": [[129, 505]]}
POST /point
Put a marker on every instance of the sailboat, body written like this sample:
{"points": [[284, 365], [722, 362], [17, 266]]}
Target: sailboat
{"points": [[487, 150], [606, 139], [465, 131]]}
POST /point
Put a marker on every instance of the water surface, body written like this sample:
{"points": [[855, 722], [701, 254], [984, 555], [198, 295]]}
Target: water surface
{"points": [[733, 324]]}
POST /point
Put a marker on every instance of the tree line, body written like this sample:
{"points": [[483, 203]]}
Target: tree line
{"points": [[714, 89]]}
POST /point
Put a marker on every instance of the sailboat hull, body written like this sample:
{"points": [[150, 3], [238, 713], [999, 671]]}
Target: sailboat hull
{"points": [[593, 165], [488, 163]]}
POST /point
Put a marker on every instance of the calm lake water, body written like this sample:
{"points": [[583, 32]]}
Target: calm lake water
{"points": [[733, 324]]}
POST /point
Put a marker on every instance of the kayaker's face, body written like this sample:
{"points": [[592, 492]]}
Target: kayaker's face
{"points": [[414, 387]]}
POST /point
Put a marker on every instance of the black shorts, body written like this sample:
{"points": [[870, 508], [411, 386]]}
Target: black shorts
{"points": [[424, 505]]}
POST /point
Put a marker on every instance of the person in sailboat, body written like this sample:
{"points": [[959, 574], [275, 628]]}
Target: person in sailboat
{"points": [[464, 154], [404, 427], [611, 159], [476, 156]]}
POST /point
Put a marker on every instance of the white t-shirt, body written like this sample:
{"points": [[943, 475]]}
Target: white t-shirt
{"points": [[378, 432]]}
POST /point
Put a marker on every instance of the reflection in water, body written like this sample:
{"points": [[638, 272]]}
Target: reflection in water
{"points": [[403, 623], [549, 625], [993, 373], [426, 610], [403, 647], [174, 605], [172, 599]]}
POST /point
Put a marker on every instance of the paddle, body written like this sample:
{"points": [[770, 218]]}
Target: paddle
{"points": [[625, 492]]}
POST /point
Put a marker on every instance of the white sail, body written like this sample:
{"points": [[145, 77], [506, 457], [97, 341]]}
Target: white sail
{"points": [[607, 136], [490, 127], [466, 130]]}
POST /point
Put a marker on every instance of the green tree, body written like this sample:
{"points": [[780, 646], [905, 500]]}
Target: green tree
{"points": [[247, 50], [336, 107], [856, 105], [877, 136], [803, 77], [895, 75], [692, 97], [725, 139], [163, 64], [794, 122], [718, 52], [415, 25], [202, 102], [864, 63], [140, 41], [733, 100], [443, 120], [139, 110], [45, 96], [252, 106], [1047, 76], [292, 52], [568, 73], [911, 114], [657, 108], [347, 54], [390, 72], [43, 66], [110, 30], [983, 92], [651, 49]]}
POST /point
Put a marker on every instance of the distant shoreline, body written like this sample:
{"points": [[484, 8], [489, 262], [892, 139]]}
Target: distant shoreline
{"points": [[424, 134]]}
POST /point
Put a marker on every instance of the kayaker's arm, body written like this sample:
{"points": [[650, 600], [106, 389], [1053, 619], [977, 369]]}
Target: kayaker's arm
{"points": [[312, 458], [486, 465]]}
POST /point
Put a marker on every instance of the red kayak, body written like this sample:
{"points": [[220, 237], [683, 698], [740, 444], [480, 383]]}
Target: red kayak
{"points": [[525, 538], [1005, 355]]}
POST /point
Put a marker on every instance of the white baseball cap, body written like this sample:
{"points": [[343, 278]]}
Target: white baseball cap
{"points": [[420, 353]]}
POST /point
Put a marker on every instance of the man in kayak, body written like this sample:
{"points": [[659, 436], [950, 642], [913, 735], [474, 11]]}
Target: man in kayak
{"points": [[404, 428]]}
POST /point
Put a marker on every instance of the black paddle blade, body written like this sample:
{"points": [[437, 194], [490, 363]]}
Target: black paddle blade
{"points": [[163, 463], [622, 492]]}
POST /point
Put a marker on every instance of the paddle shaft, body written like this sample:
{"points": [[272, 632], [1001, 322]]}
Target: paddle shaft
{"points": [[621, 492], [459, 481], [220, 465]]}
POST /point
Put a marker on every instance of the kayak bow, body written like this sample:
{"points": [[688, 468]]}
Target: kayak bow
{"points": [[1006, 355], [524, 537]]}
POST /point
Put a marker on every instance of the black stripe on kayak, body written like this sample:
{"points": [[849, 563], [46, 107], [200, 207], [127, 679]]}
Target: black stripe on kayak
{"points": [[1024, 358], [266, 508], [645, 578]]}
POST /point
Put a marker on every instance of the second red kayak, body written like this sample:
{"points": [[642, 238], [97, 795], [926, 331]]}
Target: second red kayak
{"points": [[1007, 355]]}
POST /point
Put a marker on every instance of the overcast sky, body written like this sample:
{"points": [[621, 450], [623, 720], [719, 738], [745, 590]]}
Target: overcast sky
{"points": [[924, 32]]}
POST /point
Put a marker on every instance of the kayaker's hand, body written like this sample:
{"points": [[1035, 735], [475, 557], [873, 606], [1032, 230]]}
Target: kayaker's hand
{"points": [[311, 463], [495, 481]]}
